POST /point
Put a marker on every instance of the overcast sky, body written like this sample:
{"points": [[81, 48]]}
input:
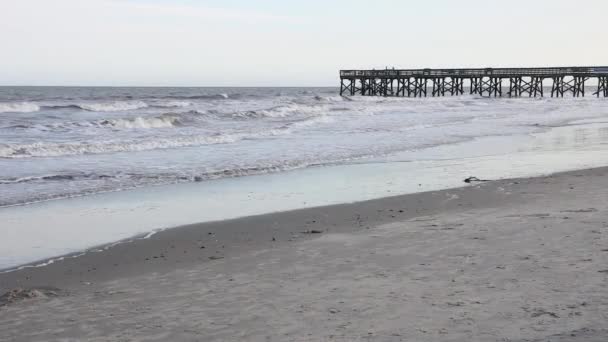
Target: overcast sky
{"points": [[284, 42]]}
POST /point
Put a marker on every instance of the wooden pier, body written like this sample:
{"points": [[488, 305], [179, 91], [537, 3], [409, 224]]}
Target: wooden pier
{"points": [[491, 82]]}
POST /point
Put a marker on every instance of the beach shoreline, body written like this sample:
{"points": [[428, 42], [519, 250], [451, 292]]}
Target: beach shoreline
{"points": [[51, 229], [186, 245], [499, 222]]}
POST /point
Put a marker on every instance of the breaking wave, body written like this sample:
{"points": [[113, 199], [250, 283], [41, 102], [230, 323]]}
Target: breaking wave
{"points": [[164, 121], [128, 180], [172, 104], [309, 122], [282, 111], [40, 149], [168, 120], [18, 107], [113, 106], [118, 106], [221, 96], [58, 177], [66, 149]]}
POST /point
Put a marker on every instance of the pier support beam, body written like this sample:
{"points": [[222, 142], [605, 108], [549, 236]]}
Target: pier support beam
{"points": [[557, 90], [457, 86], [382, 89], [400, 87], [602, 86], [536, 87], [491, 86], [578, 88], [347, 86], [372, 87], [515, 86], [475, 85], [420, 86], [450, 85], [439, 86]]}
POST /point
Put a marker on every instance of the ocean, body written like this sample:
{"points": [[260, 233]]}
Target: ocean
{"points": [[58, 142]]}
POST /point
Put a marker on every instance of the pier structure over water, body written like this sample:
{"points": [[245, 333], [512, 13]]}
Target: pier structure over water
{"points": [[492, 82]]}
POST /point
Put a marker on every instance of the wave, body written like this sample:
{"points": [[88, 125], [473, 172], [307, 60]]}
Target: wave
{"points": [[167, 120], [282, 111], [41, 149], [18, 107], [309, 122], [128, 180], [117, 106], [66, 106], [119, 181], [57, 177], [172, 104], [66, 149], [80, 176], [221, 96], [332, 98], [164, 121]]}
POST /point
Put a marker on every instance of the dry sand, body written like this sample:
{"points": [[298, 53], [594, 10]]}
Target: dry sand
{"points": [[515, 260]]}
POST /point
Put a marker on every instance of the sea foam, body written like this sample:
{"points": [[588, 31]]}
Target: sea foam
{"points": [[18, 107], [116, 106], [45, 149]]}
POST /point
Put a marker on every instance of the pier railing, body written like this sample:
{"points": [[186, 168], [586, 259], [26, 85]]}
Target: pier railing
{"points": [[503, 72]]}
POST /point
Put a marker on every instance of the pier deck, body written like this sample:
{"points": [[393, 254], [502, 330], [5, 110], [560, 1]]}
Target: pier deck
{"points": [[482, 81]]}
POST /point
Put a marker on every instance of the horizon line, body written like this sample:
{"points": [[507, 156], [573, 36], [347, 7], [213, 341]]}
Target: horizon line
{"points": [[157, 86]]}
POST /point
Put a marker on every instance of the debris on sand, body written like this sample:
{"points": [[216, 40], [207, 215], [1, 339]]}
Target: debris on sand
{"points": [[588, 210], [541, 312], [312, 231], [19, 294], [475, 179]]}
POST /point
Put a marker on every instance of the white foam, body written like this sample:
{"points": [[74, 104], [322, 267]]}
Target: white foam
{"points": [[40, 149], [18, 107], [284, 111], [115, 106], [20, 179], [173, 104], [141, 122], [311, 122]]}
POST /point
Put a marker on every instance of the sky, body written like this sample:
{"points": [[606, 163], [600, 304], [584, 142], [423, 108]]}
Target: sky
{"points": [[284, 42]]}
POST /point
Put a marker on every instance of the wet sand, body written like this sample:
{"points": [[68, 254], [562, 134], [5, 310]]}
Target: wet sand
{"points": [[513, 260]]}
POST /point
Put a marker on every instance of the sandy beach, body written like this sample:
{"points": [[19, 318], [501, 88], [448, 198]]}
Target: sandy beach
{"points": [[512, 260]]}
